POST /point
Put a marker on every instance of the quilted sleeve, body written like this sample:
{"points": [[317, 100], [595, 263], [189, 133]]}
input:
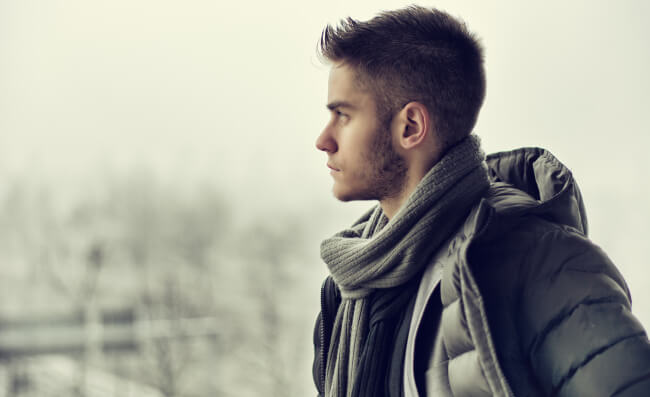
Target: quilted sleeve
{"points": [[578, 333]]}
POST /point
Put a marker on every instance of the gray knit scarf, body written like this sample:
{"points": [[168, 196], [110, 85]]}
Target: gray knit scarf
{"points": [[376, 253]]}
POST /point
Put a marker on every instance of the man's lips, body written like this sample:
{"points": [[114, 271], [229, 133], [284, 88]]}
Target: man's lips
{"points": [[332, 168]]}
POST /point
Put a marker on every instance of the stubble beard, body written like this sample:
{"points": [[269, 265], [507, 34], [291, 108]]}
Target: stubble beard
{"points": [[385, 170], [389, 168]]}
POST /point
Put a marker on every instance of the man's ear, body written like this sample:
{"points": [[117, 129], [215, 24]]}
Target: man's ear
{"points": [[414, 123]]}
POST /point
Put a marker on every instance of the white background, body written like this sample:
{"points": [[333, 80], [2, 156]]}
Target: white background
{"points": [[232, 94]]}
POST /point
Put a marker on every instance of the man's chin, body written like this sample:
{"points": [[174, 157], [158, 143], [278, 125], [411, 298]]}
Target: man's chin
{"points": [[344, 199], [346, 196], [341, 194]]}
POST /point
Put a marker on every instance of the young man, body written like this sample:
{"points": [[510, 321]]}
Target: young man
{"points": [[473, 276]]}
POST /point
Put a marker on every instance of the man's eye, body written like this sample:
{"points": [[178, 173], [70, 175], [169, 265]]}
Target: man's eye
{"points": [[340, 114]]}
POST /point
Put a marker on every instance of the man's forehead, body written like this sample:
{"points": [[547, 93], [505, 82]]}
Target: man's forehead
{"points": [[344, 89]]}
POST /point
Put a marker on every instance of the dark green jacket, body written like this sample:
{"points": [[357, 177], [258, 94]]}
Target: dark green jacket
{"points": [[530, 306]]}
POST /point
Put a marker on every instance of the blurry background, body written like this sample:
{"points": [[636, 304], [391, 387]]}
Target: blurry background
{"points": [[161, 195]]}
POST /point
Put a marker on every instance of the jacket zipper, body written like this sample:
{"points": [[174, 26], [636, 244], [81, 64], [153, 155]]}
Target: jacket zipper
{"points": [[323, 339]]}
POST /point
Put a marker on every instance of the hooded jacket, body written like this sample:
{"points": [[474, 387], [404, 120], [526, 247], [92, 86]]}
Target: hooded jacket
{"points": [[520, 302]]}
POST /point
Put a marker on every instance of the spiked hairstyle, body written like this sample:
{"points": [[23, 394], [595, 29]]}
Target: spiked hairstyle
{"points": [[414, 54]]}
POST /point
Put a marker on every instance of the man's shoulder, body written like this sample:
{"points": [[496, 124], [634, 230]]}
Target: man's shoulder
{"points": [[528, 250], [506, 212]]}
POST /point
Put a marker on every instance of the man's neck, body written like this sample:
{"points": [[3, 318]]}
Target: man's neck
{"points": [[391, 205], [417, 170]]}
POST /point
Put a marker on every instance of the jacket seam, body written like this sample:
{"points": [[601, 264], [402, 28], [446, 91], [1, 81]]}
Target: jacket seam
{"points": [[601, 273], [472, 349], [560, 318], [631, 383], [590, 357], [555, 228]]}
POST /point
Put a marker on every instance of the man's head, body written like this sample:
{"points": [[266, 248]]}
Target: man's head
{"points": [[414, 54], [414, 69]]}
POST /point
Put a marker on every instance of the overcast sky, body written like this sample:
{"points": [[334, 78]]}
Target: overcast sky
{"points": [[232, 94]]}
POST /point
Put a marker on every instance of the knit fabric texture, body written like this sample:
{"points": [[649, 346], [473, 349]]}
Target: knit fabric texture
{"points": [[376, 253]]}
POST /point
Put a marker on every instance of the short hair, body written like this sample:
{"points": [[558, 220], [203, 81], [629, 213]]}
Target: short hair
{"points": [[414, 54]]}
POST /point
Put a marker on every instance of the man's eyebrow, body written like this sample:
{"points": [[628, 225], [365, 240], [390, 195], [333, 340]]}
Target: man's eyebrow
{"points": [[340, 104]]}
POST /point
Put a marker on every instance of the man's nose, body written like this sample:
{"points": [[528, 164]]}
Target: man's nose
{"points": [[326, 142]]}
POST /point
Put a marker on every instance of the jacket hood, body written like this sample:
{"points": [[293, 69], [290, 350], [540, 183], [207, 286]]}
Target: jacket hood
{"points": [[543, 186]]}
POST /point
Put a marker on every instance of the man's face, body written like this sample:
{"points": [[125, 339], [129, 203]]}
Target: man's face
{"points": [[361, 155]]}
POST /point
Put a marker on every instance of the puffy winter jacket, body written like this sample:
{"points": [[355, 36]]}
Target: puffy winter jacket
{"points": [[530, 306]]}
